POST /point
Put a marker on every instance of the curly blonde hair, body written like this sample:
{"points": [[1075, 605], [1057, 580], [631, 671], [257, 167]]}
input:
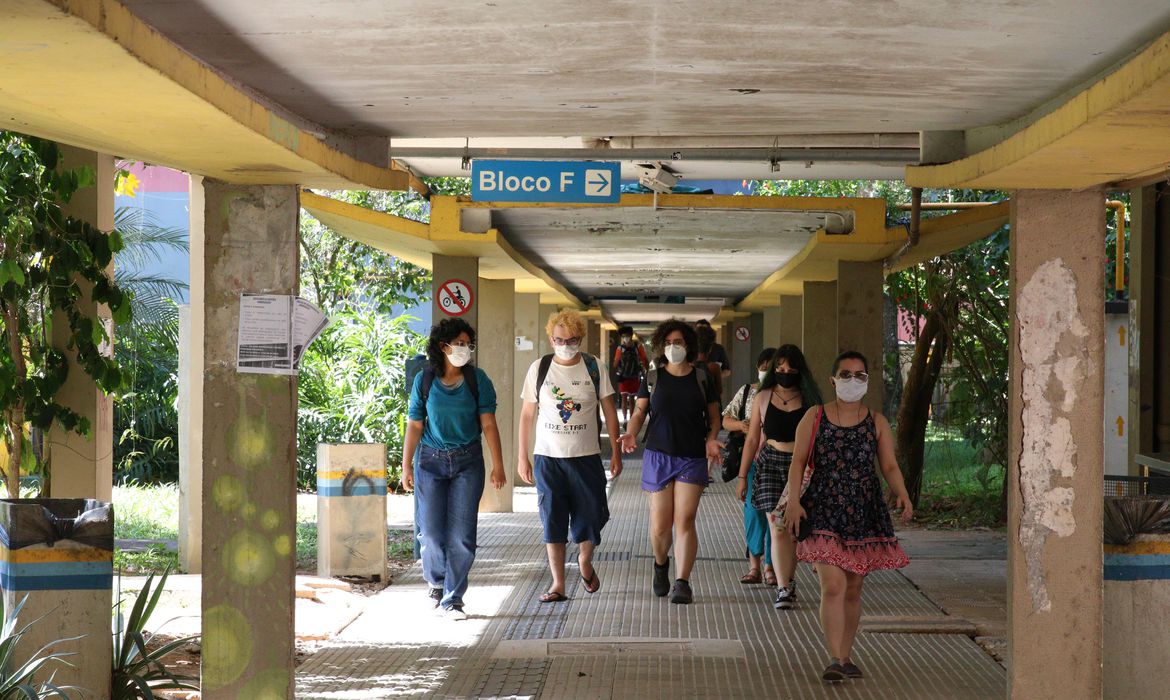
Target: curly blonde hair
{"points": [[571, 320]]}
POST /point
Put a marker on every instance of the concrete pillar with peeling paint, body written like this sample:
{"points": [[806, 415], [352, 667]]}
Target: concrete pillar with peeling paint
{"points": [[1056, 413], [819, 331], [496, 338], [249, 469]]}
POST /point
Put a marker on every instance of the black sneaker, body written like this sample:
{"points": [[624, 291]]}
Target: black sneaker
{"points": [[661, 584], [834, 673], [681, 594], [454, 612], [435, 594], [851, 671], [784, 599]]}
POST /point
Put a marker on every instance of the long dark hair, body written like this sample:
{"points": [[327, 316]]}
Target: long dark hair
{"points": [[810, 393], [442, 333], [658, 341]]}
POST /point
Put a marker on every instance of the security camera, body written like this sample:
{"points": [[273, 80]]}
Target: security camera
{"points": [[657, 179]]}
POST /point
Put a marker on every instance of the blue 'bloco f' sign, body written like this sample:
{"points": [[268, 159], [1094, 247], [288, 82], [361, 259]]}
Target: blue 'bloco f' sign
{"points": [[545, 181]]}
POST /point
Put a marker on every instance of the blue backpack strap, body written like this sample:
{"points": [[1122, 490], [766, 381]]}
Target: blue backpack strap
{"points": [[542, 374], [594, 372], [424, 389]]}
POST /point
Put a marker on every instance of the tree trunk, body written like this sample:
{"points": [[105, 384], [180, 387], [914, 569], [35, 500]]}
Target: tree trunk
{"points": [[893, 356], [913, 414], [15, 414]]}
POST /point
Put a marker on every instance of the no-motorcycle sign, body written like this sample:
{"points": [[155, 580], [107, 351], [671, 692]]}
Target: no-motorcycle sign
{"points": [[455, 297]]}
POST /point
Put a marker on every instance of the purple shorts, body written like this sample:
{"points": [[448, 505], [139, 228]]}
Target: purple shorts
{"points": [[659, 469]]}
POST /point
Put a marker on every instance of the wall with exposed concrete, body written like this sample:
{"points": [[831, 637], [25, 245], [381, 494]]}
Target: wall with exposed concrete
{"points": [[495, 356], [1055, 504]]}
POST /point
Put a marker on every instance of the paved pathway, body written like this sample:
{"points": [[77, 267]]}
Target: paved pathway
{"points": [[624, 643]]}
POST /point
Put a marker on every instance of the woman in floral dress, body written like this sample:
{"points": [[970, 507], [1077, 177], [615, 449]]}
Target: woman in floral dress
{"points": [[849, 533]]}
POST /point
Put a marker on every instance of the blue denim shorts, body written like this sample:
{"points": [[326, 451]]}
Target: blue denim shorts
{"points": [[570, 495], [659, 469]]}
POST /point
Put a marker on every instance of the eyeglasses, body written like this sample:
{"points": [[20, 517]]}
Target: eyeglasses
{"points": [[846, 374], [570, 342], [461, 344]]}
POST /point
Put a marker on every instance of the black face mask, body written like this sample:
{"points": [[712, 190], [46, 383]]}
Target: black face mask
{"points": [[788, 380]]}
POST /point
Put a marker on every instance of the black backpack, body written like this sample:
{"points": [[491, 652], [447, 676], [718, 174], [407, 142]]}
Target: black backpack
{"points": [[629, 365], [469, 376]]}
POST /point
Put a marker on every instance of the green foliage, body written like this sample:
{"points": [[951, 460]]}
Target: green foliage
{"points": [[351, 387], [18, 674], [146, 420], [137, 670], [959, 491], [53, 268], [146, 512]]}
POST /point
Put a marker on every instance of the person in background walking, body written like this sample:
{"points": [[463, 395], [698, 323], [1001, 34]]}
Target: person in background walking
{"points": [[787, 391], [681, 441], [717, 353], [849, 533], [629, 363], [565, 389], [737, 419], [451, 403]]}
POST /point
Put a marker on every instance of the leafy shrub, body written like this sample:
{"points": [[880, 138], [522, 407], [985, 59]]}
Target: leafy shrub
{"points": [[352, 388]]}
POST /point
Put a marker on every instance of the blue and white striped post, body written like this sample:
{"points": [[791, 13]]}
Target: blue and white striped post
{"points": [[57, 555], [351, 510]]}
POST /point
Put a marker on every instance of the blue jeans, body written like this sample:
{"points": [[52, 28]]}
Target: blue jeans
{"points": [[449, 484]]}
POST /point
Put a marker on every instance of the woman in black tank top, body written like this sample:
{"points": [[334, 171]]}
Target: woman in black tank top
{"points": [[786, 393]]}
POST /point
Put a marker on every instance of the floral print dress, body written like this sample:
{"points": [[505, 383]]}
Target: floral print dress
{"points": [[851, 526]]}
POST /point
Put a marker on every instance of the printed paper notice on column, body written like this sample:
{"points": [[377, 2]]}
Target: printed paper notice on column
{"points": [[265, 344], [275, 329]]}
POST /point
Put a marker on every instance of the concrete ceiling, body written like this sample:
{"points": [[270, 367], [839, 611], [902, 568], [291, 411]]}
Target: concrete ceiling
{"points": [[614, 252], [660, 67]]}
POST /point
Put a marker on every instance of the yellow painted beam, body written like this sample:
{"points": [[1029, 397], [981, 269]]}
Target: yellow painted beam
{"points": [[940, 235], [91, 74], [416, 242], [817, 262], [1114, 131]]}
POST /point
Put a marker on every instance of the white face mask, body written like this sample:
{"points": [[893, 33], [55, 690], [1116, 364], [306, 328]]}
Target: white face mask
{"points": [[762, 373], [849, 390], [459, 355], [675, 354], [566, 352]]}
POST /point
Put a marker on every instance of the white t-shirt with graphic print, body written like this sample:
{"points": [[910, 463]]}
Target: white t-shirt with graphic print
{"points": [[566, 419]]}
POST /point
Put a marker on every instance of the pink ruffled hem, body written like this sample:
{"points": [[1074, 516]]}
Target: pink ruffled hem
{"points": [[859, 557]]}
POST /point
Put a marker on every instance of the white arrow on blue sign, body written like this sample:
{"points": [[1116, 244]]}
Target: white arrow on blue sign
{"points": [[545, 181]]}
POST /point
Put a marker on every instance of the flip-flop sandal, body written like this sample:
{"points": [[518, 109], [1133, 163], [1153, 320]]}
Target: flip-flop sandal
{"points": [[553, 597], [770, 578], [752, 576], [591, 584]]}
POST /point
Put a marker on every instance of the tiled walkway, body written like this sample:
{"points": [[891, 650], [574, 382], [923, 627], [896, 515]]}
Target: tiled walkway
{"points": [[623, 642]]}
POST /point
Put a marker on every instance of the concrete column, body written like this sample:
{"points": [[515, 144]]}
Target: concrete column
{"points": [[771, 318], [446, 268], [529, 326], [546, 310], [593, 338], [743, 360], [249, 469], [83, 467], [191, 320], [860, 320], [1056, 414], [496, 338], [819, 331], [791, 319], [756, 324], [1161, 320], [1143, 258]]}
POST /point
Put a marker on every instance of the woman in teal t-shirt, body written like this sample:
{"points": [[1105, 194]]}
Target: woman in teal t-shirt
{"points": [[459, 404]]}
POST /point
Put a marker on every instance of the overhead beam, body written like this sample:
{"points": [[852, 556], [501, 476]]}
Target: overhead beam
{"points": [[1114, 131], [91, 74]]}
